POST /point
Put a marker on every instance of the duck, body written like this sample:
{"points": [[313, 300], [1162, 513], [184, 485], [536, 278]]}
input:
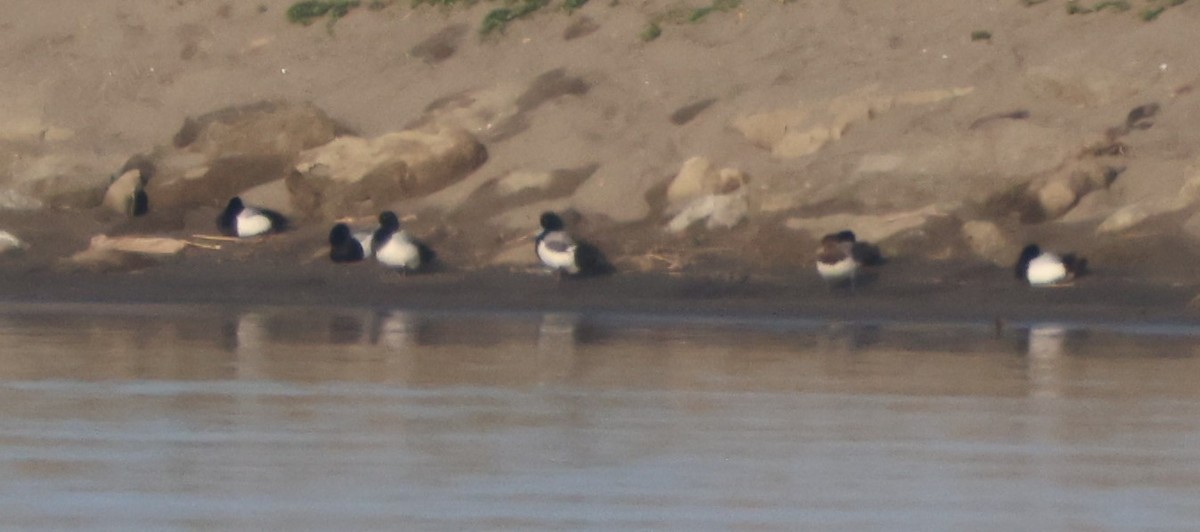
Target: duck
{"points": [[836, 260], [242, 221], [1042, 268], [349, 246], [557, 250], [394, 248]]}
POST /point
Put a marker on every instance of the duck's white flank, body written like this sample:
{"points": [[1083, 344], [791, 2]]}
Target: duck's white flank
{"points": [[399, 252], [557, 251], [1046, 269], [842, 269], [252, 222]]}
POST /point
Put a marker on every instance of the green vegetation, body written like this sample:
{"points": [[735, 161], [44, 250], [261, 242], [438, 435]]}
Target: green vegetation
{"points": [[308, 11], [720, 6], [652, 31], [981, 35], [1151, 12], [498, 19], [572, 5]]}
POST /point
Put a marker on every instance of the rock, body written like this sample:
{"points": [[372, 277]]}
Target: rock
{"points": [[225, 152], [868, 227], [355, 176], [989, 242], [722, 211], [138, 244], [928, 168], [1062, 80], [698, 180], [274, 196], [122, 195], [1191, 227], [216, 181], [692, 181], [268, 127], [1096, 205], [14, 200], [108, 254], [1134, 214], [805, 128], [1056, 198], [519, 181], [10, 243]]}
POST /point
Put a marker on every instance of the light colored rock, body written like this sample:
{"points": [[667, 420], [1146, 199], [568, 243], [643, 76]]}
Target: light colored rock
{"points": [[259, 128], [11, 199], [10, 243], [519, 181], [1062, 80], [1056, 198], [122, 253], [120, 196], [1189, 193], [225, 152], [138, 244], [1133, 214], [695, 178], [1191, 227], [807, 127], [989, 242], [353, 175], [698, 183], [719, 211], [1096, 205], [868, 227], [57, 134], [480, 112], [274, 196]]}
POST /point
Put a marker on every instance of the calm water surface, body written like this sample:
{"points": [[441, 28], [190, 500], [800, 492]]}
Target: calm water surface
{"points": [[172, 418]]}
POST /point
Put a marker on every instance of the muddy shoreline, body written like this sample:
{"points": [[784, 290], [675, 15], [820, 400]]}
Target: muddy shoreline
{"points": [[979, 296]]}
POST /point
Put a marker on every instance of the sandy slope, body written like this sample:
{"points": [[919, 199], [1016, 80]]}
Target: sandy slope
{"points": [[87, 84]]}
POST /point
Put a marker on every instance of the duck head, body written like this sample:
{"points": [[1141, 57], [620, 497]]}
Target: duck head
{"points": [[1028, 254]]}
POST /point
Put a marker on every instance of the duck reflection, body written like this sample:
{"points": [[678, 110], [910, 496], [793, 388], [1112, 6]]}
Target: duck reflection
{"points": [[1044, 360]]}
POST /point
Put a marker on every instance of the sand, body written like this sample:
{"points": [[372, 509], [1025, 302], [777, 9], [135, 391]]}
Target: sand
{"points": [[613, 117]]}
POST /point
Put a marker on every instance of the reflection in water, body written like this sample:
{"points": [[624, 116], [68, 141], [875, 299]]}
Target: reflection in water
{"points": [[1045, 359], [303, 419]]}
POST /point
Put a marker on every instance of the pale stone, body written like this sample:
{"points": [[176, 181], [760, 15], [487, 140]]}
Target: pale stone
{"points": [[273, 195], [988, 242], [10, 243], [11, 199], [805, 128], [868, 227], [58, 134], [1131, 215], [695, 178], [352, 175], [1056, 198], [519, 181], [120, 196], [720, 211]]}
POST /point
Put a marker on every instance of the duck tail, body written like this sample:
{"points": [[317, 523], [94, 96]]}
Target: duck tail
{"points": [[279, 222], [591, 260], [867, 254], [1076, 266], [426, 254]]}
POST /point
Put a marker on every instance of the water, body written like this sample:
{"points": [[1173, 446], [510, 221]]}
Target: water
{"points": [[172, 418]]}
